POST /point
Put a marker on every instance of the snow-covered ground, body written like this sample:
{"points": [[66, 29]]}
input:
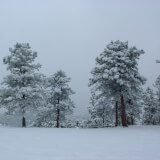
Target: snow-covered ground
{"points": [[133, 143]]}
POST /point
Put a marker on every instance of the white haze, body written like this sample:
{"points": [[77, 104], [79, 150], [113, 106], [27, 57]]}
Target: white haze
{"points": [[70, 34]]}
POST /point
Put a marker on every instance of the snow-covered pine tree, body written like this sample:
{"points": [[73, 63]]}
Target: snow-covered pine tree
{"points": [[101, 110], [133, 107], [150, 108], [157, 86], [59, 103], [22, 90], [116, 73], [60, 93]]}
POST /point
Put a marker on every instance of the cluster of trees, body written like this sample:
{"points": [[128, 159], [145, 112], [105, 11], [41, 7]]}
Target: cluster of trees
{"points": [[26, 90], [151, 105], [116, 86], [117, 96]]}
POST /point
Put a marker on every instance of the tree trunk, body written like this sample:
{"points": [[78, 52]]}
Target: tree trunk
{"points": [[23, 121], [132, 120], [58, 114], [57, 118], [116, 114], [103, 117], [103, 121], [123, 113], [23, 111]]}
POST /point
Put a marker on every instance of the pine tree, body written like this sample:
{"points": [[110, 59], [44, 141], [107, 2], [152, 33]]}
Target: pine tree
{"points": [[22, 90], [59, 103], [157, 86], [116, 74], [101, 109], [60, 93], [134, 107], [150, 108]]}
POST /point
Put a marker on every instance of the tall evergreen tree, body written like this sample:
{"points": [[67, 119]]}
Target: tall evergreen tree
{"points": [[22, 89], [116, 74]]}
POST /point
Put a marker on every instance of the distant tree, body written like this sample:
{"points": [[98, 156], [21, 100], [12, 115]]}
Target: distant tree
{"points": [[101, 109], [150, 116], [116, 74], [22, 89], [133, 106], [59, 103], [157, 86]]}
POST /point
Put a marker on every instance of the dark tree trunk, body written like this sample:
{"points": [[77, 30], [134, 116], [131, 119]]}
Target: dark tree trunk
{"points": [[58, 114], [123, 113], [23, 111], [103, 117], [132, 120], [103, 121], [23, 121], [57, 118], [116, 114]]}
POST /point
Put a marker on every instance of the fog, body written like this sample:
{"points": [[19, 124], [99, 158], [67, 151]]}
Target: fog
{"points": [[70, 34]]}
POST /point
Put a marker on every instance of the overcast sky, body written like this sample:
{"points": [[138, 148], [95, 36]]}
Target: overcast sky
{"points": [[70, 34]]}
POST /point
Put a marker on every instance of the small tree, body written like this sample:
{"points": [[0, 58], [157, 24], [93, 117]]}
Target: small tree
{"points": [[150, 108], [59, 103], [133, 106], [101, 108], [22, 87], [157, 86], [60, 93]]}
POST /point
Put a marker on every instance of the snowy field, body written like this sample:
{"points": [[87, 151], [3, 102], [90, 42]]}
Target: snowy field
{"points": [[133, 143]]}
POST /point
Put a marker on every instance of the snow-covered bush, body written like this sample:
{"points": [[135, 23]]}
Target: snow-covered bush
{"points": [[53, 124]]}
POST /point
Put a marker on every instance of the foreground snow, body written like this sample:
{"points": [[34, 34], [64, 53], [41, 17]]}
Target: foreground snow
{"points": [[133, 143]]}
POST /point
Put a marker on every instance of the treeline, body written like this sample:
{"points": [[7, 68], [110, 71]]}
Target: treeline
{"points": [[117, 97], [26, 90]]}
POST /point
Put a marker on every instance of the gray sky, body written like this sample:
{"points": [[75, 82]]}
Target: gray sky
{"points": [[70, 34]]}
